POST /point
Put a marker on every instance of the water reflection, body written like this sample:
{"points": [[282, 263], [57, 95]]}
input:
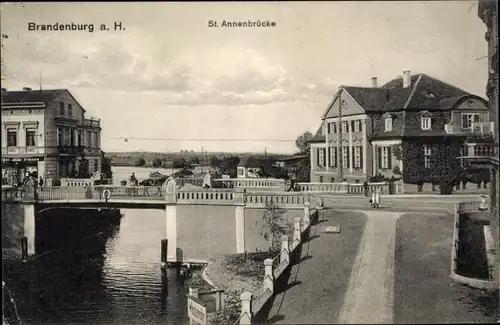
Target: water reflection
{"points": [[106, 273]]}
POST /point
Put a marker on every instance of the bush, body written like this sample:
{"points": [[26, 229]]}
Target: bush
{"points": [[157, 162], [247, 264], [140, 162], [396, 170], [232, 310], [179, 162], [194, 160]]}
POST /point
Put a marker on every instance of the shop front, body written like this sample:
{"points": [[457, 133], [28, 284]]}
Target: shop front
{"points": [[16, 170]]}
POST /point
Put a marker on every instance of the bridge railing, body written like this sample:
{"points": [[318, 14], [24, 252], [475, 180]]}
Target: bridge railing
{"points": [[97, 192], [471, 206], [207, 196], [286, 199], [344, 188], [13, 193], [253, 182]]}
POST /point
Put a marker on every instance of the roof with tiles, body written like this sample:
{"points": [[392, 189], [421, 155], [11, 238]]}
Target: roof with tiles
{"points": [[425, 93], [31, 96]]}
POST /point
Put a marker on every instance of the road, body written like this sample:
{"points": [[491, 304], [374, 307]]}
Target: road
{"points": [[370, 295]]}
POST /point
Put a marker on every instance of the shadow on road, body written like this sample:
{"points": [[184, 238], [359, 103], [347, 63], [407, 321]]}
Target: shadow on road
{"points": [[288, 279]]}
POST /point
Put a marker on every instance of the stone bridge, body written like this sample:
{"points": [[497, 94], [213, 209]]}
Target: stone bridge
{"points": [[200, 223]]}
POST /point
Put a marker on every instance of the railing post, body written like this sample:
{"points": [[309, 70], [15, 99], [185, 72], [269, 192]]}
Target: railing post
{"points": [[285, 250], [268, 275], [193, 292], [307, 215], [296, 232], [246, 308]]}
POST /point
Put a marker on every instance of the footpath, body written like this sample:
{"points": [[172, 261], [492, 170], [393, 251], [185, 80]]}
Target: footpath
{"points": [[318, 298]]}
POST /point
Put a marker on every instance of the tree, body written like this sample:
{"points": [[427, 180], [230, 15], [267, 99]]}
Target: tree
{"points": [[214, 162], [140, 162], [302, 142], [275, 225], [446, 168], [106, 167], [157, 162], [179, 162], [194, 161], [303, 171], [229, 166]]}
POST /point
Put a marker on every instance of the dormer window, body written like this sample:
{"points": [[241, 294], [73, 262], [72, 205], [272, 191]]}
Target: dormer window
{"points": [[388, 119], [426, 123], [426, 120], [388, 124]]}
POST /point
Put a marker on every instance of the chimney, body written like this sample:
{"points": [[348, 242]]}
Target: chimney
{"points": [[26, 88], [374, 82], [406, 78]]}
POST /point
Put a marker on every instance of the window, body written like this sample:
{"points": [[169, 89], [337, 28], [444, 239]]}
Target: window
{"points": [[353, 123], [88, 139], [61, 108], [384, 157], [426, 123], [333, 157], [334, 127], [357, 157], [427, 156], [59, 137], [388, 124], [11, 138], [358, 126], [345, 157], [321, 160], [329, 125], [468, 119], [70, 110], [345, 127], [30, 138]]}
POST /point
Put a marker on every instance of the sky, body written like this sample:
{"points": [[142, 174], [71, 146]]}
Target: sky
{"points": [[167, 81]]}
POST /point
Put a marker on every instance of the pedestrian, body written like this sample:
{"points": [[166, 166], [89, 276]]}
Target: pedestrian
{"points": [[377, 198], [483, 205], [40, 182], [292, 183], [365, 186]]}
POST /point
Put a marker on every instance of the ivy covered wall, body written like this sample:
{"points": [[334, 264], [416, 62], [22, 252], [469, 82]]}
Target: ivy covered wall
{"points": [[444, 168]]}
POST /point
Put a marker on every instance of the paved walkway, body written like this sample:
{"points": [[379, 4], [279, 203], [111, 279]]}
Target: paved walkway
{"points": [[369, 295], [317, 296]]}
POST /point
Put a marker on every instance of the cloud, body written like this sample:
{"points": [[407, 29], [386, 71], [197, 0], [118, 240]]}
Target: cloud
{"points": [[231, 75]]}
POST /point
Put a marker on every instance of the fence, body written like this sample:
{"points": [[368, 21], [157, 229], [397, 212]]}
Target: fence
{"points": [[346, 188], [268, 183], [252, 302]]}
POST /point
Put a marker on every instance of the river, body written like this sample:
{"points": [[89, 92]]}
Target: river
{"points": [[112, 278]]}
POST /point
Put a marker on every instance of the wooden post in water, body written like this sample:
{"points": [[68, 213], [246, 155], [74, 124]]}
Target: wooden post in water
{"points": [[164, 249], [24, 248]]}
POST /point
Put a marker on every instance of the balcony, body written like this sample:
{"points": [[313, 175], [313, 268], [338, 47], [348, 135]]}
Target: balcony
{"points": [[92, 123], [31, 150], [77, 150], [71, 150], [480, 149]]}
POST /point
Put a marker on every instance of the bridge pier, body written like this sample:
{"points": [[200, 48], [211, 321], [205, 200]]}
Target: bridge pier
{"points": [[18, 221], [29, 226], [171, 230], [239, 216]]}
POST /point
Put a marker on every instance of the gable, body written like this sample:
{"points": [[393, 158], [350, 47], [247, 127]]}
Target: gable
{"points": [[471, 103], [67, 98], [349, 106]]}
